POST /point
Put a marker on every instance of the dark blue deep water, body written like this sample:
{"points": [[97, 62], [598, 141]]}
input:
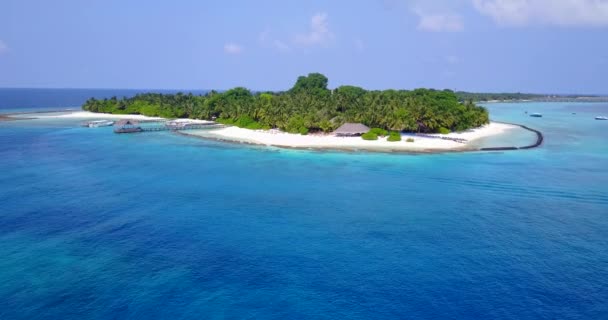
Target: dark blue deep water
{"points": [[95, 225]]}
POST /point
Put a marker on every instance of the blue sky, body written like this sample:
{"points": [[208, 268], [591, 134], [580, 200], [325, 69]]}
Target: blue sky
{"points": [[548, 46]]}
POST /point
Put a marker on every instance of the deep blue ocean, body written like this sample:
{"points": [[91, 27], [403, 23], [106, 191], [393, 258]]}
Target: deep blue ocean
{"points": [[95, 225]]}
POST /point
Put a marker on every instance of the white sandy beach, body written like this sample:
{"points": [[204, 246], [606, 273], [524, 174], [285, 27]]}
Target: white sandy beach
{"points": [[313, 141], [86, 115], [281, 139]]}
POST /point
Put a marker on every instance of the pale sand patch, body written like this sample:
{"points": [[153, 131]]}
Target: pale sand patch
{"points": [[85, 115], [281, 139]]}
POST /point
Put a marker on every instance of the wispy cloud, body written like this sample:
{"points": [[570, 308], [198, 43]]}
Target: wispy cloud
{"points": [[439, 22], [267, 40], [3, 47], [319, 33], [546, 12], [232, 48], [359, 44], [264, 36], [281, 46], [452, 59]]}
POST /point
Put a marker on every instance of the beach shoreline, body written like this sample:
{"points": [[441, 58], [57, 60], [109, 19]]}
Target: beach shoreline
{"points": [[335, 148], [422, 143], [87, 115], [433, 143]]}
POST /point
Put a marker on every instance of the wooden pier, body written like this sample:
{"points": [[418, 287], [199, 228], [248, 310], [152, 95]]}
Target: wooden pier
{"points": [[132, 126], [182, 128]]}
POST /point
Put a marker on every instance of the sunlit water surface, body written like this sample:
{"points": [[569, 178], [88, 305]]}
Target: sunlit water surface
{"points": [[96, 225]]}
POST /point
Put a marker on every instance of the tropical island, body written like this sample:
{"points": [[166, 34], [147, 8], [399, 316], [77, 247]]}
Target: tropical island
{"points": [[309, 106], [309, 115]]}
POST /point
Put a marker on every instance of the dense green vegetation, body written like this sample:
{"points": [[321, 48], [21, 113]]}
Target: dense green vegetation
{"points": [[369, 136], [244, 122], [444, 130], [379, 131], [394, 136], [309, 106]]}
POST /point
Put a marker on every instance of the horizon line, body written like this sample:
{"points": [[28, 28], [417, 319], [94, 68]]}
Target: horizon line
{"points": [[266, 90]]}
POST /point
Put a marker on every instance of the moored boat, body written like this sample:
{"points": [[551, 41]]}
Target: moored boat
{"points": [[601, 118]]}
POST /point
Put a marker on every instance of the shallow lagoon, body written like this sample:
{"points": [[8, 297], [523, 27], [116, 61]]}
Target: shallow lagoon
{"points": [[97, 225]]}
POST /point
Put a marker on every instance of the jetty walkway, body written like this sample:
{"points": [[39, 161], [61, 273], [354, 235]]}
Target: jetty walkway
{"points": [[181, 128], [133, 126]]}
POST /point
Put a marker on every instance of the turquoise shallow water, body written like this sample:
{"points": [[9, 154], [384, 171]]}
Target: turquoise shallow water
{"points": [[96, 226]]}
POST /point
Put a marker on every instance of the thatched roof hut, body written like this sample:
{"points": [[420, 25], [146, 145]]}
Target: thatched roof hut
{"points": [[351, 129]]}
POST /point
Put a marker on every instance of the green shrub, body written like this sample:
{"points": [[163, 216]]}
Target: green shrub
{"points": [[303, 131], [394, 136], [294, 124], [244, 122], [369, 136], [379, 131], [326, 125], [409, 140], [254, 126], [444, 130], [224, 121]]}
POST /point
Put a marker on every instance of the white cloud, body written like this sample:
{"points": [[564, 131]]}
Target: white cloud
{"points": [[319, 33], [545, 12], [3, 47], [264, 36], [232, 48], [452, 59], [281, 46], [439, 22], [267, 40], [359, 44]]}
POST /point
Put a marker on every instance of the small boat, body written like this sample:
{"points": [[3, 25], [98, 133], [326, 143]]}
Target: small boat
{"points": [[601, 118], [536, 115], [97, 123]]}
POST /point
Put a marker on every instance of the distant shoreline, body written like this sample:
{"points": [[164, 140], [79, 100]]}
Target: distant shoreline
{"points": [[428, 143], [422, 144], [539, 141], [328, 149], [550, 100], [14, 116]]}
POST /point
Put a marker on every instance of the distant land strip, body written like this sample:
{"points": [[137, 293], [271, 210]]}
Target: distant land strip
{"points": [[525, 97], [13, 116]]}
